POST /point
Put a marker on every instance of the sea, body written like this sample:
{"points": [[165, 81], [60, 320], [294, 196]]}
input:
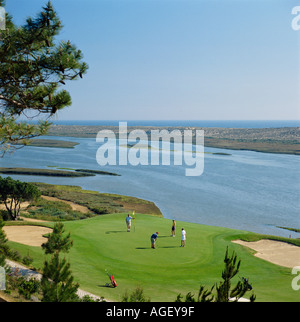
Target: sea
{"points": [[244, 190], [188, 123]]}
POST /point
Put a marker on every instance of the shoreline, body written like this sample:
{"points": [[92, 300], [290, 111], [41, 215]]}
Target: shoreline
{"points": [[54, 173], [72, 128], [268, 140]]}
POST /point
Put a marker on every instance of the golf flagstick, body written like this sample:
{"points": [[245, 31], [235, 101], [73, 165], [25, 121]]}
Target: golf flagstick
{"points": [[133, 221]]}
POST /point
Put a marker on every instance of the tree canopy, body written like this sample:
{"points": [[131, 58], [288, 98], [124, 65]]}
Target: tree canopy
{"points": [[34, 67], [14, 192]]}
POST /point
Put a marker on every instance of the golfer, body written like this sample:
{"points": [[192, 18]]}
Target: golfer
{"points": [[183, 237], [173, 228], [128, 222], [153, 239]]}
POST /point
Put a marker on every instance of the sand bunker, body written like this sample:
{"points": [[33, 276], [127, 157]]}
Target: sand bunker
{"points": [[33, 235], [28, 235], [276, 252]]}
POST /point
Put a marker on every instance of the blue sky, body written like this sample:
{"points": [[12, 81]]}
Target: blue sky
{"points": [[180, 59]]}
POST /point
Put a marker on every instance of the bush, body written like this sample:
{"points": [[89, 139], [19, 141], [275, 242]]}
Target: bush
{"points": [[28, 287], [102, 210], [87, 298], [4, 215], [54, 210], [136, 296], [14, 255], [27, 260]]}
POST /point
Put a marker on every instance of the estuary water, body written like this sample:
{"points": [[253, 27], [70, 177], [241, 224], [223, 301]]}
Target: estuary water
{"points": [[245, 190]]}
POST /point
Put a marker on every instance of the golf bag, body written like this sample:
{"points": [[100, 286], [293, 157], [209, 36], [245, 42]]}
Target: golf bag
{"points": [[112, 280]]}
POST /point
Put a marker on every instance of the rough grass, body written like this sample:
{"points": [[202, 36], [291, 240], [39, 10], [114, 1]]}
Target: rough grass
{"points": [[99, 203], [53, 211]]}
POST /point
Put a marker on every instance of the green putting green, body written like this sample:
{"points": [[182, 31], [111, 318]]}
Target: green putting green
{"points": [[103, 242]]}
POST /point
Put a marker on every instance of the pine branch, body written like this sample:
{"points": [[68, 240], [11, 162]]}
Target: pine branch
{"points": [[33, 69]]}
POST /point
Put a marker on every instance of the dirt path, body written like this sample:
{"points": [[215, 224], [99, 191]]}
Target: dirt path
{"points": [[73, 205], [22, 206], [276, 252], [32, 219], [26, 272]]}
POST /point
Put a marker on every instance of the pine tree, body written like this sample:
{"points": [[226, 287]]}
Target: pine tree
{"points": [[57, 242], [225, 292], [57, 282], [33, 69], [14, 192]]}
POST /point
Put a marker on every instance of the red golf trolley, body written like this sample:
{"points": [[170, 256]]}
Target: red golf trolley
{"points": [[112, 280]]}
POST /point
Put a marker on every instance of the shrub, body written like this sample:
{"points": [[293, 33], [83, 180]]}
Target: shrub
{"points": [[136, 296], [28, 287], [14, 255], [27, 260], [87, 298], [4, 215]]}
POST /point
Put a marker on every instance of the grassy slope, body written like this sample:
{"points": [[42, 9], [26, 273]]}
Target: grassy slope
{"points": [[97, 202], [102, 243]]}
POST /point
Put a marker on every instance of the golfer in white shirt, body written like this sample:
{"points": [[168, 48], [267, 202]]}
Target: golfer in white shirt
{"points": [[183, 237]]}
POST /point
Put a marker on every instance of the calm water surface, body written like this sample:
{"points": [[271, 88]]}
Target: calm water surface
{"points": [[245, 190]]}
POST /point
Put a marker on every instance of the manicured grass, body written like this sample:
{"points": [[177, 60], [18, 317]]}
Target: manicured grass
{"points": [[102, 242]]}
